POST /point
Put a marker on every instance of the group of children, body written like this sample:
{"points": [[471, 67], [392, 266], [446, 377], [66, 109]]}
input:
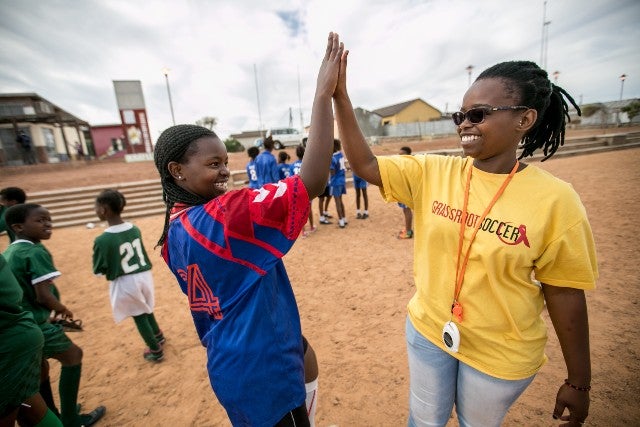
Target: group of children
{"points": [[34, 321], [335, 188]]}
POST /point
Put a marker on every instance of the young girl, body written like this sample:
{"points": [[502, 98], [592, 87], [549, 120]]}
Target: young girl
{"points": [[252, 175], [225, 249], [21, 343], [338, 182], [10, 196], [284, 167], [32, 265], [295, 170], [119, 254], [360, 185], [485, 226]]}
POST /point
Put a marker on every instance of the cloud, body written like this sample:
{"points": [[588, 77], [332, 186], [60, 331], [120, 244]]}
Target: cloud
{"points": [[69, 52]]}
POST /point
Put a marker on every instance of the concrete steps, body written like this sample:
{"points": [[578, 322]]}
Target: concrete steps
{"points": [[75, 206]]}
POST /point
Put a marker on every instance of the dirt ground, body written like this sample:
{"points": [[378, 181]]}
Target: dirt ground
{"points": [[352, 287]]}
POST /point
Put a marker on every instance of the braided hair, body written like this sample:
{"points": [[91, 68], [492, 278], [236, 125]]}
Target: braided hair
{"points": [[176, 144], [113, 199], [530, 84]]}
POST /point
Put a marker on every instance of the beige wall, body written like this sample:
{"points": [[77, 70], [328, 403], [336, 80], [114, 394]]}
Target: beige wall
{"points": [[417, 111]]}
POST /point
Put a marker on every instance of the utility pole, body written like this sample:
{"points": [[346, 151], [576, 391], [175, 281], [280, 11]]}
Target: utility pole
{"points": [[469, 70], [300, 104], [165, 71], [255, 75], [544, 45]]}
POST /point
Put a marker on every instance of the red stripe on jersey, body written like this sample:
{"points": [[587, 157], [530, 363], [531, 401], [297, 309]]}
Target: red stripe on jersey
{"points": [[238, 227], [215, 248]]}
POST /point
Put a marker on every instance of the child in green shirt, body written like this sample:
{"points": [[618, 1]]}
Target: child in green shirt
{"points": [[119, 254], [32, 265]]}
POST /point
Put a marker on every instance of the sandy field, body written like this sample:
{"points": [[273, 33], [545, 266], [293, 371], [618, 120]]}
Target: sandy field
{"points": [[352, 287]]}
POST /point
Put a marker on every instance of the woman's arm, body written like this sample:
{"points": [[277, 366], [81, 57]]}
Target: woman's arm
{"points": [[320, 143], [567, 309], [361, 158]]}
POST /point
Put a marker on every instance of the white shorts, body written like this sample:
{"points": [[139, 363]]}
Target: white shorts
{"points": [[131, 295]]}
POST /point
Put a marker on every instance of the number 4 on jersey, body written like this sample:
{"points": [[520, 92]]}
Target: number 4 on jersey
{"points": [[200, 296]]}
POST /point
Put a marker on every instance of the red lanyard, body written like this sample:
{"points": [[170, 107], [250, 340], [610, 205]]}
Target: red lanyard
{"points": [[456, 307]]}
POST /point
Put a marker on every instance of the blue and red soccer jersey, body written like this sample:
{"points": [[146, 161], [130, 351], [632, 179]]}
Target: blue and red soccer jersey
{"points": [[338, 169], [226, 256], [295, 167], [252, 174], [267, 168]]}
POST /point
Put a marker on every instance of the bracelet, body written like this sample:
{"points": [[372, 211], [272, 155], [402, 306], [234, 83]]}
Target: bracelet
{"points": [[575, 387]]}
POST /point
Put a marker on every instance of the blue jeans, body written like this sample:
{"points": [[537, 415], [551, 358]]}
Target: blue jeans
{"points": [[437, 380]]}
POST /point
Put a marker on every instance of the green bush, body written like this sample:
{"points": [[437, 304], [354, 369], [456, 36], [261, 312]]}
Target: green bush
{"points": [[233, 145], [632, 109]]}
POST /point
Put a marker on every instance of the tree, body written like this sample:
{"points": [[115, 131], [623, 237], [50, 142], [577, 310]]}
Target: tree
{"points": [[233, 145], [208, 122], [632, 109]]}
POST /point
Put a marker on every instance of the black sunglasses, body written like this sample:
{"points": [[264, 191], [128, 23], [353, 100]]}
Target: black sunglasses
{"points": [[478, 114]]}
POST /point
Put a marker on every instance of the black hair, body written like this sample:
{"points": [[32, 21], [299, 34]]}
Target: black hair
{"points": [[406, 149], [17, 214], [13, 194], [300, 151], [113, 199], [253, 152], [336, 145], [530, 86], [176, 144], [267, 143], [283, 156]]}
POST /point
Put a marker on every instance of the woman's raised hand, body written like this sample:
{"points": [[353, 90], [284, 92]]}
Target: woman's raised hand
{"points": [[330, 67]]}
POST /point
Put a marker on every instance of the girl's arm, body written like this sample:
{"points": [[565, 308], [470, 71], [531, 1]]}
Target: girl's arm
{"points": [[567, 309], [46, 299], [320, 143], [361, 158]]}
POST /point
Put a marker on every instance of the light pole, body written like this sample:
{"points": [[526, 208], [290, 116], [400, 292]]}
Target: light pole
{"points": [[555, 77], [469, 69], [165, 71], [544, 45], [622, 79]]}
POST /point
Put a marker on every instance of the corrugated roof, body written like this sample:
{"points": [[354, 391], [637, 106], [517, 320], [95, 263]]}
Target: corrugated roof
{"points": [[392, 110]]}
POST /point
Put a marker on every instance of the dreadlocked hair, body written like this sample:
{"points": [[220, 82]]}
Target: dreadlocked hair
{"points": [[175, 144], [530, 85]]}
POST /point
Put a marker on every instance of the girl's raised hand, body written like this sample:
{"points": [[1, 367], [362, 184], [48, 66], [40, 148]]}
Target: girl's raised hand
{"points": [[330, 67], [341, 87]]}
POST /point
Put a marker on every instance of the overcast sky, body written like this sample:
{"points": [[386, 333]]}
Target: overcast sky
{"points": [[69, 52]]}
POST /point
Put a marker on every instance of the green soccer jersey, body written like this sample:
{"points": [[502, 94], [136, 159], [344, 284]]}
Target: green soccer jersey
{"points": [[31, 263], [119, 251], [11, 311]]}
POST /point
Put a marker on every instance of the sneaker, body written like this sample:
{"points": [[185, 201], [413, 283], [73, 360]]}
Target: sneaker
{"points": [[359, 216], [327, 215], [365, 215], [160, 338], [92, 417], [405, 234], [325, 221], [153, 356]]}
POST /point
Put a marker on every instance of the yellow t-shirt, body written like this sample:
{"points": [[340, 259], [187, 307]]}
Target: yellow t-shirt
{"points": [[538, 225]]}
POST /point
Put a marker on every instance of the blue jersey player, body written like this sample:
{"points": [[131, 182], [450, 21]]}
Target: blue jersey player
{"points": [[226, 248]]}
